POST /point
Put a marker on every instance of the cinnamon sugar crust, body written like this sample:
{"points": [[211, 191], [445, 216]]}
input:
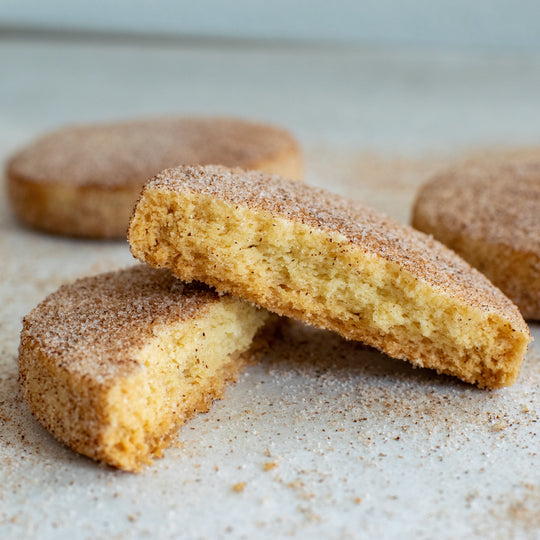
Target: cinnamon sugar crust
{"points": [[113, 364], [84, 180], [489, 213], [332, 262]]}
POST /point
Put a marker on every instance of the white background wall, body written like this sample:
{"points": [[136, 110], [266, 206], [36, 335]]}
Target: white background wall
{"points": [[490, 24]]}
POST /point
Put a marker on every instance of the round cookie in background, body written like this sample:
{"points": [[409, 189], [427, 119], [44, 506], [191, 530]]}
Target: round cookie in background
{"points": [[488, 211], [83, 181]]}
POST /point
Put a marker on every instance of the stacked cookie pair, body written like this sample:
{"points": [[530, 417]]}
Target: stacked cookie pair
{"points": [[113, 364]]}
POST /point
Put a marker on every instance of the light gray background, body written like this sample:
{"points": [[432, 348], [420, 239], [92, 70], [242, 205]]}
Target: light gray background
{"points": [[491, 24]]}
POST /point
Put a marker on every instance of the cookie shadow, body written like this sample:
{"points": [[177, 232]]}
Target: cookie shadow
{"points": [[315, 353]]}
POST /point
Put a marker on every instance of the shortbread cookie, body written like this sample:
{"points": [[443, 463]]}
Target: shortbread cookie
{"points": [[333, 263], [84, 180], [111, 365], [490, 215]]}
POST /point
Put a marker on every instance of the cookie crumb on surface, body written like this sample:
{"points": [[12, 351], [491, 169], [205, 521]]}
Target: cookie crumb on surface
{"points": [[239, 487]]}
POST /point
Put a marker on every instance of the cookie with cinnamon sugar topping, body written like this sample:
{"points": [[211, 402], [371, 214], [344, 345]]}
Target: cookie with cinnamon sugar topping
{"points": [[84, 180], [111, 365], [331, 262], [489, 213]]}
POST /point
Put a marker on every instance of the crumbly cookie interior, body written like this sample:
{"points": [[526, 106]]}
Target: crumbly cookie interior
{"points": [[324, 279]]}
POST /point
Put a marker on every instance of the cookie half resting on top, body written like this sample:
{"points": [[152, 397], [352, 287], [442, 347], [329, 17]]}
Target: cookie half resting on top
{"points": [[332, 262], [111, 365], [489, 213], [84, 180]]}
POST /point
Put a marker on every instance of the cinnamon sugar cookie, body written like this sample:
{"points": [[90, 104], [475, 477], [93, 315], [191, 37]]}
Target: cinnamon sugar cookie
{"points": [[307, 253], [490, 215], [84, 180], [111, 365]]}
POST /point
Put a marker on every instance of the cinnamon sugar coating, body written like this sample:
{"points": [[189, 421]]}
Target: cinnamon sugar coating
{"points": [[83, 180], [489, 213], [89, 325], [332, 262]]}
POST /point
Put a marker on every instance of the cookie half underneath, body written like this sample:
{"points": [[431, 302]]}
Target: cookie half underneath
{"points": [[334, 263], [111, 365]]}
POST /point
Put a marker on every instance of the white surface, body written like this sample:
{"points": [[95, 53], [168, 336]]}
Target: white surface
{"points": [[366, 446]]}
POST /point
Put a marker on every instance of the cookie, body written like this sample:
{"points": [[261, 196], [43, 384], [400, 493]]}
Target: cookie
{"points": [[489, 213], [331, 262], [83, 181], [111, 365]]}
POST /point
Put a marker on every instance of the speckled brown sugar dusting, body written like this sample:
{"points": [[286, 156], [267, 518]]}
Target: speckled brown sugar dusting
{"points": [[331, 262], [490, 214], [84, 180], [112, 364]]}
